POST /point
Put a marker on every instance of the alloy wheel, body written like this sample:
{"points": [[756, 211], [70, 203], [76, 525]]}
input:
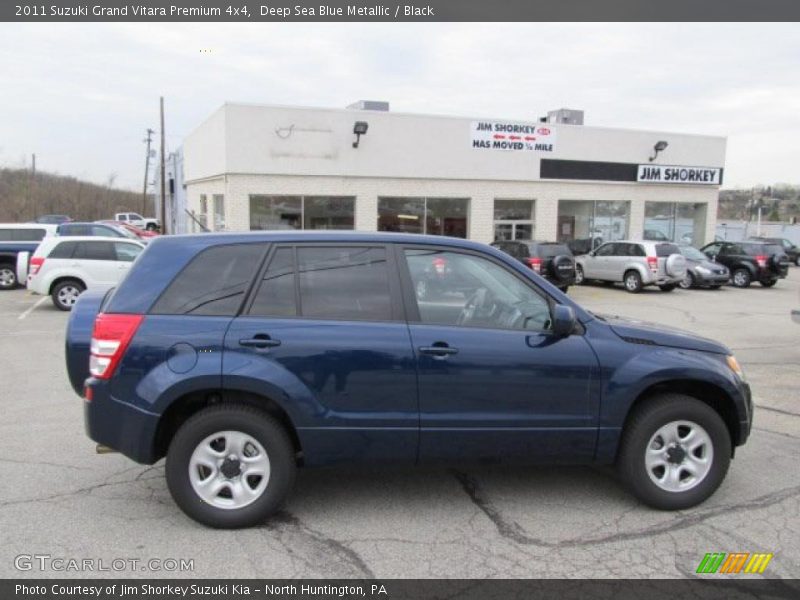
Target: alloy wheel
{"points": [[679, 456]]}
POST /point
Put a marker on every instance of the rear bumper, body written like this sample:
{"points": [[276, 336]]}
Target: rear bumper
{"points": [[122, 427]]}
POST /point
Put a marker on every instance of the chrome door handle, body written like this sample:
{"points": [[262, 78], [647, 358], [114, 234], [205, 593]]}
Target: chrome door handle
{"points": [[438, 351], [259, 341]]}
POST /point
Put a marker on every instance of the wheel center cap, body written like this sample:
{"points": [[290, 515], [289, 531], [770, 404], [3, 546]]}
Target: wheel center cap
{"points": [[676, 454], [231, 467]]}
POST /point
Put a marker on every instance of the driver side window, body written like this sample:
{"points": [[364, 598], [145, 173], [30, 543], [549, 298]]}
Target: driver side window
{"points": [[464, 290]]}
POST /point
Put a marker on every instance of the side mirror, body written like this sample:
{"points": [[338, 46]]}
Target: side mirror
{"points": [[563, 320]]}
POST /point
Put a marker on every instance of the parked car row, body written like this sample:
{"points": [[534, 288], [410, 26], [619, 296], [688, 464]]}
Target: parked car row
{"points": [[637, 264]]}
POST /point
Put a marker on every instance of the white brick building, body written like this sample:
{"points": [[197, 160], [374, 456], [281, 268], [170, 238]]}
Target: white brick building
{"points": [[272, 167]]}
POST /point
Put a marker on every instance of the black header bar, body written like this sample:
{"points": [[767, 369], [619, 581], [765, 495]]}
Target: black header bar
{"points": [[244, 11]]}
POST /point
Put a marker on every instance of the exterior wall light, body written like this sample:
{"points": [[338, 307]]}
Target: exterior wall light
{"points": [[360, 128], [659, 147]]}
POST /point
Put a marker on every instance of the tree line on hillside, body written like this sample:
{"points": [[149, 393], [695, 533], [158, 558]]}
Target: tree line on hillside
{"points": [[23, 197], [779, 202]]}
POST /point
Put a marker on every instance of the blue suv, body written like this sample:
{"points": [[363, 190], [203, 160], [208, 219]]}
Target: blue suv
{"points": [[241, 357]]}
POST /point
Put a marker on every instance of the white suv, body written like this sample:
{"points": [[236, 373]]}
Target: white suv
{"points": [[63, 267], [635, 264]]}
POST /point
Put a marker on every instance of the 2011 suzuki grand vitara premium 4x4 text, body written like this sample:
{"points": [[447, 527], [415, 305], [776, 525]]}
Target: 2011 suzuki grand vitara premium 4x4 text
{"points": [[241, 357]]}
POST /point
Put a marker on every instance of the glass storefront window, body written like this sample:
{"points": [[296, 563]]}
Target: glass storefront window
{"points": [[681, 222], [513, 219], [301, 212], [434, 216], [585, 224]]}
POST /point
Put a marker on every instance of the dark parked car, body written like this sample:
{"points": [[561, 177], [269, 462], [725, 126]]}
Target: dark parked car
{"points": [[94, 229], [551, 260], [701, 272], [314, 348], [791, 249], [53, 219], [750, 261]]}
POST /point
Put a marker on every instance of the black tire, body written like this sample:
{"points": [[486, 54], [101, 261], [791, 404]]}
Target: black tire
{"points": [[642, 426], [151, 227], [687, 282], [769, 283], [263, 428], [66, 292], [632, 281], [668, 287], [8, 276], [797, 261], [741, 278], [579, 278]]}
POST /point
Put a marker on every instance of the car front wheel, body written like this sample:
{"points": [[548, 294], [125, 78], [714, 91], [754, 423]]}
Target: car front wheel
{"points": [[230, 466], [741, 278], [675, 452], [687, 282]]}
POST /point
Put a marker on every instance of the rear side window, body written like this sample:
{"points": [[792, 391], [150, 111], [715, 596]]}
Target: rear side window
{"points": [[551, 250], [337, 282], [63, 250], [213, 283], [22, 235], [127, 252], [95, 251], [664, 250]]}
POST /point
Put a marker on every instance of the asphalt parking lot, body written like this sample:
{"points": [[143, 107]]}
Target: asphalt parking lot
{"points": [[61, 499]]}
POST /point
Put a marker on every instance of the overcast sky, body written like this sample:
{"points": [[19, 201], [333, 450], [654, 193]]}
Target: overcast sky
{"points": [[81, 96]]}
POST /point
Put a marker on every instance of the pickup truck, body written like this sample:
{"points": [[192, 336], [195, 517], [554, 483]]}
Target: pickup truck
{"points": [[138, 220], [18, 241]]}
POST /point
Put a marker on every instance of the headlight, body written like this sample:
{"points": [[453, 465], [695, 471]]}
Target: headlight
{"points": [[703, 270], [735, 367]]}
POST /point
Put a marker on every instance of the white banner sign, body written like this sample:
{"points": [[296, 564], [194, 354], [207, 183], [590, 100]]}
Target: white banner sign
{"points": [[514, 137], [674, 174]]}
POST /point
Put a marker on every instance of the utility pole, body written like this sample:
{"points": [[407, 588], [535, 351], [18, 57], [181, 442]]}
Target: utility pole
{"points": [[32, 186], [150, 133], [163, 176]]}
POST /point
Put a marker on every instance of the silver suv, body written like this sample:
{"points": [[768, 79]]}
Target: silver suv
{"points": [[635, 264]]}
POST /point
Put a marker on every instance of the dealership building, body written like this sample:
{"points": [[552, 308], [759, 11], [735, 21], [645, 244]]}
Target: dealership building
{"points": [[258, 167]]}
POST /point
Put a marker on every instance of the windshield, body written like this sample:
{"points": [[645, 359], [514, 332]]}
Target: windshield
{"points": [[693, 253]]}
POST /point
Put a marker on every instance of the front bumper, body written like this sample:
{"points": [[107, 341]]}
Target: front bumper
{"points": [[122, 427], [711, 278]]}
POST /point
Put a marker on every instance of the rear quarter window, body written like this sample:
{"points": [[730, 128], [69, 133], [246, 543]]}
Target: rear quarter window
{"points": [[664, 250], [551, 250], [213, 283], [63, 250]]}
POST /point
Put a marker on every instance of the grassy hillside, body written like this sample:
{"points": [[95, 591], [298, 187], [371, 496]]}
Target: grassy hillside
{"points": [[23, 199]]}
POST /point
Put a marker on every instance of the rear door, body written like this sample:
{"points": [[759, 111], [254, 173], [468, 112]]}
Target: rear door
{"points": [[494, 384], [325, 334], [96, 262]]}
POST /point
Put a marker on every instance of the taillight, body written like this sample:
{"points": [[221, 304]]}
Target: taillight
{"points": [[761, 260], [110, 339], [652, 262], [439, 265], [535, 264], [35, 265]]}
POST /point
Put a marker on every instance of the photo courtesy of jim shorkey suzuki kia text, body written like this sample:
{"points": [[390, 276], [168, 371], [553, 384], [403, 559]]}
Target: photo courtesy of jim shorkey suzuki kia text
{"points": [[178, 590]]}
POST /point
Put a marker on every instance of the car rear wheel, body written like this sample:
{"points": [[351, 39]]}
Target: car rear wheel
{"points": [[633, 282], [675, 452], [8, 277], [687, 282], [66, 293], [151, 227], [668, 287], [230, 466], [741, 278]]}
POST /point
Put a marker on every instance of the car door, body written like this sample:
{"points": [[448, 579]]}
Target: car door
{"points": [[494, 383], [599, 263], [325, 331], [712, 250], [96, 263]]}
